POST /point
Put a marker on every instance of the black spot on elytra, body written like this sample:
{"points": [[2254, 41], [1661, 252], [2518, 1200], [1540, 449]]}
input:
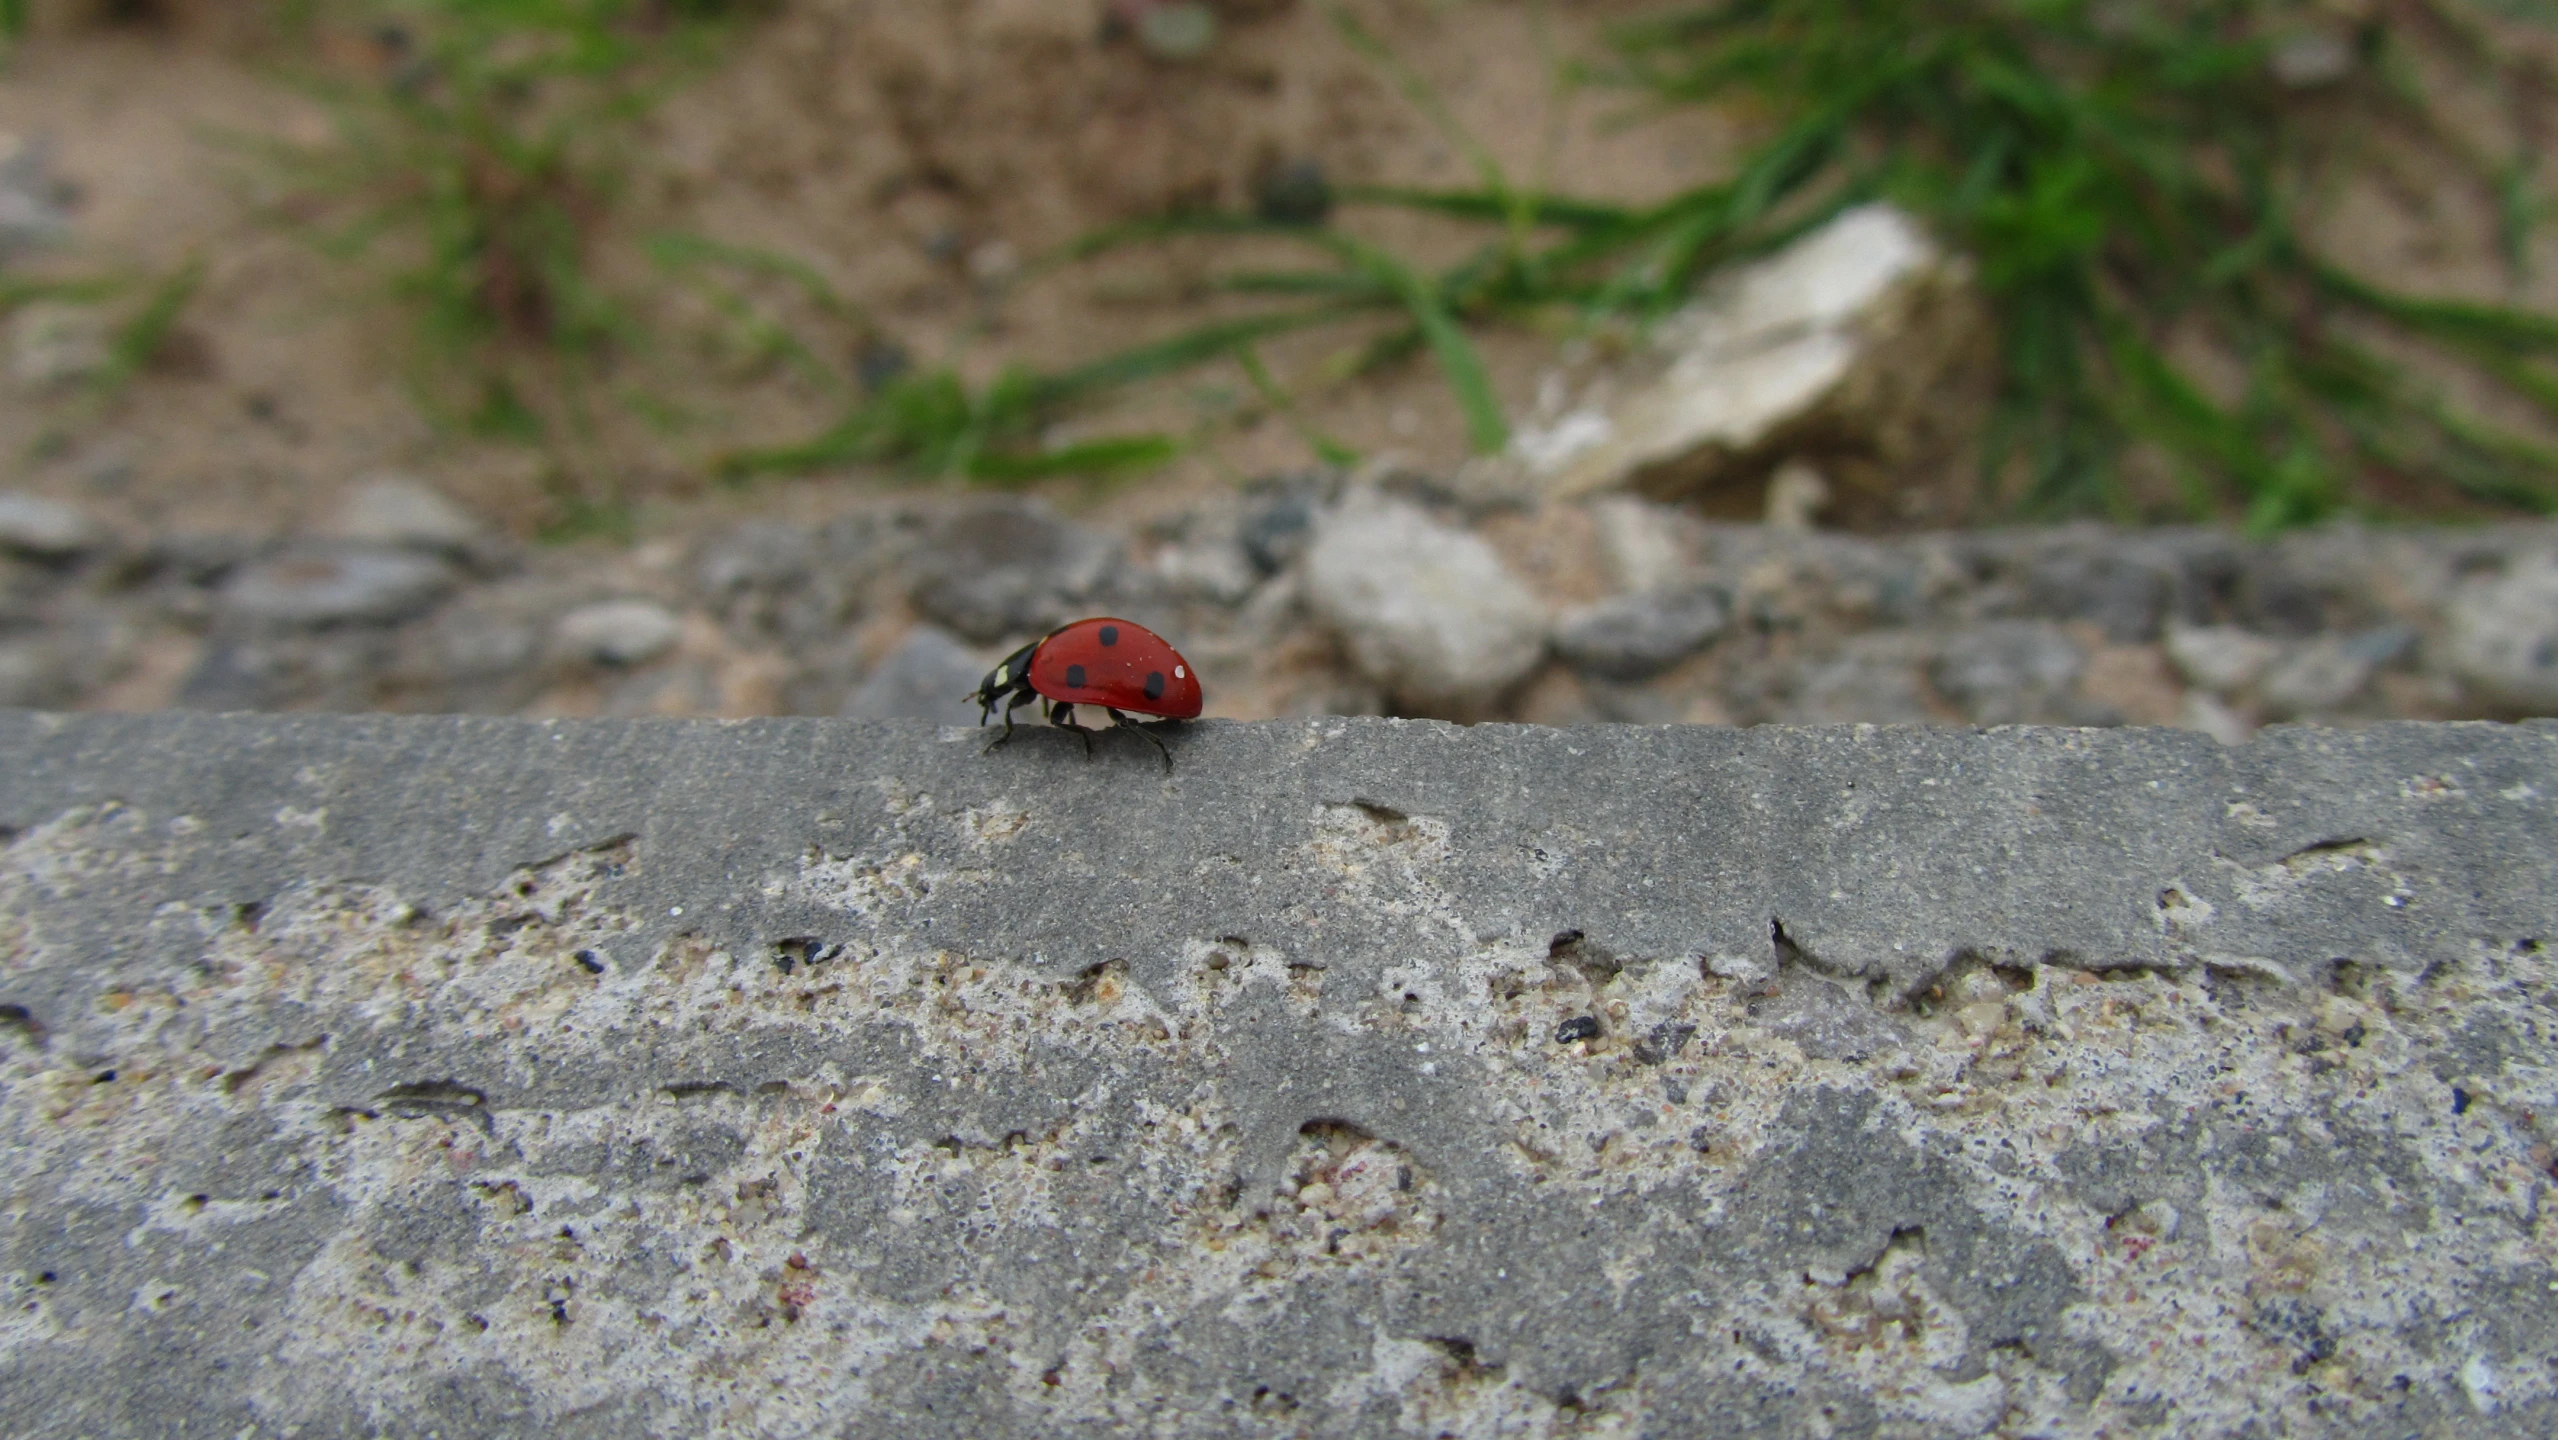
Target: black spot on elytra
{"points": [[1109, 635], [1075, 677], [1154, 684]]}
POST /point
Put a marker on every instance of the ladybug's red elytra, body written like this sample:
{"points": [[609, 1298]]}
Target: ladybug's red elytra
{"points": [[1121, 667]]}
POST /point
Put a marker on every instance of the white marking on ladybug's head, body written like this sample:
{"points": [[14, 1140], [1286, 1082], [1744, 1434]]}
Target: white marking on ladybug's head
{"points": [[1179, 674], [1003, 676]]}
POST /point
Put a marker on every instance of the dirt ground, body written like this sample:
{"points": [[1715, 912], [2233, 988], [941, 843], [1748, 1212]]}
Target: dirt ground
{"points": [[919, 156]]}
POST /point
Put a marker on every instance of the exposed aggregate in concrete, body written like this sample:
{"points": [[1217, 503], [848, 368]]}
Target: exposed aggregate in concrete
{"points": [[1359, 1077]]}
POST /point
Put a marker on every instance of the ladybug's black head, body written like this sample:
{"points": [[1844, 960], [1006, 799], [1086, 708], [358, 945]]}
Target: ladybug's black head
{"points": [[1004, 682]]}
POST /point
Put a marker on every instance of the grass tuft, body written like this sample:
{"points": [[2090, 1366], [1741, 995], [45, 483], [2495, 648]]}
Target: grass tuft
{"points": [[477, 166], [2130, 176]]}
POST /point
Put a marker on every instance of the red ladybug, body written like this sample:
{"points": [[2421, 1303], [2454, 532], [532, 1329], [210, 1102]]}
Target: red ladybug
{"points": [[1114, 664]]}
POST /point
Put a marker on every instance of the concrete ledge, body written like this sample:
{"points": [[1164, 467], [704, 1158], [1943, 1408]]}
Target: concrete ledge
{"points": [[1356, 1077]]}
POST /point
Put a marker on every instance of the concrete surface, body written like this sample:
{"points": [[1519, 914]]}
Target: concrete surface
{"points": [[1357, 1077]]}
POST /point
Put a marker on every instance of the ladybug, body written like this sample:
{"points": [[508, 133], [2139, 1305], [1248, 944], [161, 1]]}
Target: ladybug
{"points": [[1111, 663]]}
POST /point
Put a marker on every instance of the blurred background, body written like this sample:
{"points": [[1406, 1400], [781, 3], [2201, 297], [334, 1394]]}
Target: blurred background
{"points": [[1896, 361]]}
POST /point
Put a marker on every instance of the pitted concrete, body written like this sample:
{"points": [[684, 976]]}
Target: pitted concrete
{"points": [[373, 1075]]}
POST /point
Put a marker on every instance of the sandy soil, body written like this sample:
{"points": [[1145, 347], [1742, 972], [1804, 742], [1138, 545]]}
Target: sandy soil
{"points": [[915, 155]]}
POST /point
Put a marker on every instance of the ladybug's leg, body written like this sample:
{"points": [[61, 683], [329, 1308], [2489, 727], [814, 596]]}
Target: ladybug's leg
{"points": [[1126, 723], [1063, 716], [1019, 699]]}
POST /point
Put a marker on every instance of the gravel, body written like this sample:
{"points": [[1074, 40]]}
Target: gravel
{"points": [[1300, 594], [395, 512], [922, 679], [1634, 637], [2006, 672], [618, 632], [991, 572], [2220, 657], [1425, 610], [2504, 633], [319, 585]]}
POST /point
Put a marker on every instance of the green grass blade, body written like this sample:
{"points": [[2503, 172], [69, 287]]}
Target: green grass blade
{"points": [[1328, 450], [1154, 231], [1487, 430], [1493, 206], [679, 250], [15, 291], [1191, 348], [133, 344], [1299, 282], [2501, 326]]}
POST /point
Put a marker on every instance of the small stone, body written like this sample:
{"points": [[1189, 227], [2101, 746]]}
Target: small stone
{"points": [[31, 210], [1275, 531], [994, 262], [2306, 62], [1006, 569], [2503, 639], [880, 363], [1872, 680], [1183, 30], [2382, 646], [1427, 611], [2211, 715], [2320, 675], [1210, 569], [317, 586], [396, 512], [2007, 671], [1640, 542], [2119, 587], [478, 651], [44, 529], [774, 579], [2220, 657], [1634, 637], [924, 678], [618, 632], [55, 343], [1297, 193]]}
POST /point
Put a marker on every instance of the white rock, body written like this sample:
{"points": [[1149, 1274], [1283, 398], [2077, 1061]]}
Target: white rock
{"points": [[1427, 611], [47, 529], [619, 632], [395, 510], [2504, 634], [1640, 542], [1548, 448], [1848, 336], [2220, 657]]}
